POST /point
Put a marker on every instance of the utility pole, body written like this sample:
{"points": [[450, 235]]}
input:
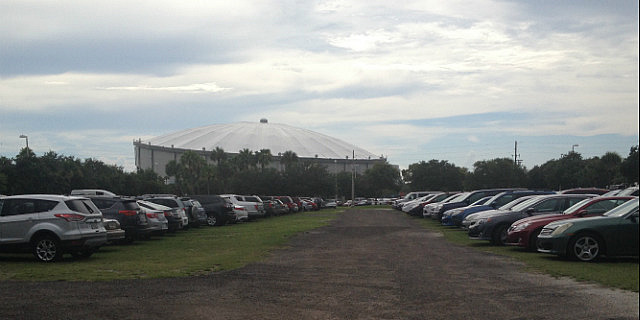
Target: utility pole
{"points": [[516, 162], [353, 182]]}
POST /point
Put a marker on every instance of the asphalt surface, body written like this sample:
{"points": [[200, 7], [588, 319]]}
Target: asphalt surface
{"points": [[369, 264]]}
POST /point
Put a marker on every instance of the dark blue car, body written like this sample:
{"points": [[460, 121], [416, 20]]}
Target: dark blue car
{"points": [[470, 198]]}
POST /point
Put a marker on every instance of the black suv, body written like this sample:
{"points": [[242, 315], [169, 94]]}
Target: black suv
{"points": [[126, 210], [219, 212]]}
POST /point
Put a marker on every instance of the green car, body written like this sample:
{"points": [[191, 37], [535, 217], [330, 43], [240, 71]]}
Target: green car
{"points": [[614, 234]]}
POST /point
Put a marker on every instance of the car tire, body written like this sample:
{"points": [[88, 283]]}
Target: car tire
{"points": [[533, 240], [585, 247], [47, 248], [499, 236], [212, 220]]}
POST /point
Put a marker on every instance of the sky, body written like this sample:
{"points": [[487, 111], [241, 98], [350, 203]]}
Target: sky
{"points": [[459, 81]]}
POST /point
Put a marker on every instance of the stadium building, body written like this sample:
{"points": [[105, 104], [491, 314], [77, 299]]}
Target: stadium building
{"points": [[309, 146]]}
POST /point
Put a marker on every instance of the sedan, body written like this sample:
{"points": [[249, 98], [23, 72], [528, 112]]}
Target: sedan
{"points": [[524, 232], [613, 234]]}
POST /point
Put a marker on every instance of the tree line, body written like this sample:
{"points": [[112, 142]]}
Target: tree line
{"points": [[570, 171], [249, 172]]}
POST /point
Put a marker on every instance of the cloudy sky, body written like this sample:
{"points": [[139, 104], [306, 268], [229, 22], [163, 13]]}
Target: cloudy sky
{"points": [[413, 80]]}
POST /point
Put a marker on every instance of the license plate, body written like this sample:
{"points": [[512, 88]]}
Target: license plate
{"points": [[94, 225]]}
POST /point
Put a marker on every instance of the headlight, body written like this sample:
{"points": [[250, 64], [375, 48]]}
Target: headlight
{"points": [[521, 226], [481, 221], [561, 228]]}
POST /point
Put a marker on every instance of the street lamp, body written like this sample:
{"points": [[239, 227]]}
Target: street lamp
{"points": [[573, 147], [22, 136]]}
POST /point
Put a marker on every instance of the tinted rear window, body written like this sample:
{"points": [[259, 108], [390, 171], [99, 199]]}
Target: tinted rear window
{"points": [[165, 202], [130, 205], [82, 206]]}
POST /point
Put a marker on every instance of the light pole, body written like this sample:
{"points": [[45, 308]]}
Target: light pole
{"points": [[573, 147], [353, 182], [335, 171], [22, 136]]}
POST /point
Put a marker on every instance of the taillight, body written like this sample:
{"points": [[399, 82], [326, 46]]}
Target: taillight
{"points": [[128, 213], [70, 216], [167, 213], [256, 206], [152, 215], [239, 208]]}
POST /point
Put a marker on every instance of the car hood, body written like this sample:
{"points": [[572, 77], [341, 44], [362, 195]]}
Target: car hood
{"points": [[484, 214], [586, 221], [543, 218]]}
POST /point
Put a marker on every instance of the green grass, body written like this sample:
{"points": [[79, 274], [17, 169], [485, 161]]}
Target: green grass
{"points": [[185, 253], [614, 273]]}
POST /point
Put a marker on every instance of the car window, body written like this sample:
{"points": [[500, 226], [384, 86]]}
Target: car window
{"points": [[623, 209], [25, 206], [82, 206], [103, 203], [549, 205], [601, 207]]}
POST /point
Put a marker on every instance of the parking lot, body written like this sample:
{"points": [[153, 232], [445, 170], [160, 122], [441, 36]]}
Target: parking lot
{"points": [[368, 264]]}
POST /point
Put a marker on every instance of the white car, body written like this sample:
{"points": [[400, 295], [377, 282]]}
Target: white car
{"points": [[51, 225], [252, 209]]}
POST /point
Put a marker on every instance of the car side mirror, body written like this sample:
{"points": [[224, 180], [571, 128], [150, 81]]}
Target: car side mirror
{"points": [[530, 211], [581, 213], [634, 217]]}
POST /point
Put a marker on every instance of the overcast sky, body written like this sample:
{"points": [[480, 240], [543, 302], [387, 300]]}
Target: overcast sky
{"points": [[412, 80]]}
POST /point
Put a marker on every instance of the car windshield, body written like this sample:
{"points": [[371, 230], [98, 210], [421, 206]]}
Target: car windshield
{"points": [[623, 209], [576, 206], [525, 204], [457, 197], [482, 201], [509, 205]]}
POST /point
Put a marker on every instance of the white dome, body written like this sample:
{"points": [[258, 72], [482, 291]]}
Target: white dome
{"points": [[263, 135]]}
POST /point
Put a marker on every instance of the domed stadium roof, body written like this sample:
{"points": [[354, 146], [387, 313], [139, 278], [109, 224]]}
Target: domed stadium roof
{"points": [[255, 136]]}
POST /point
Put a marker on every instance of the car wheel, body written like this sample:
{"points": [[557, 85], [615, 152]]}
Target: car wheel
{"points": [[585, 247], [499, 236], [533, 240], [211, 220], [47, 248]]}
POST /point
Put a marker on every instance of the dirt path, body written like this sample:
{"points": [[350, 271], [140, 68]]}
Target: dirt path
{"points": [[369, 264]]}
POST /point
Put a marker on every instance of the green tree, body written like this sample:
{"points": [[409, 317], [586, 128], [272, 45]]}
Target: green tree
{"points": [[629, 166], [434, 175], [288, 159], [496, 173], [263, 157]]}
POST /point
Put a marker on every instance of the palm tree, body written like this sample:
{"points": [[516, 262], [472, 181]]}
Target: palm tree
{"points": [[288, 159], [218, 155], [245, 159], [263, 157]]}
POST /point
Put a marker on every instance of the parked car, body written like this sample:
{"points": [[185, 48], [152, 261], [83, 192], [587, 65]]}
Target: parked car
{"points": [[252, 209], [178, 218], [430, 210], [115, 234], [418, 208], [293, 207], [259, 205], [126, 210], [174, 219], [469, 198], [495, 202], [50, 225], [219, 212], [597, 191], [92, 192], [614, 234], [472, 218], [524, 232], [195, 212], [156, 217], [447, 220], [397, 204], [493, 225]]}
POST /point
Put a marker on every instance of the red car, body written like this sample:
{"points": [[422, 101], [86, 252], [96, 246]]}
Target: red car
{"points": [[524, 232]]}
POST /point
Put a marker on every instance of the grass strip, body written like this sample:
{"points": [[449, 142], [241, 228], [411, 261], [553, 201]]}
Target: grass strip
{"points": [[613, 273], [184, 253]]}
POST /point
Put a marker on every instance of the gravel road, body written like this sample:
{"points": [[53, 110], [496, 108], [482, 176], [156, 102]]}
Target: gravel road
{"points": [[368, 264]]}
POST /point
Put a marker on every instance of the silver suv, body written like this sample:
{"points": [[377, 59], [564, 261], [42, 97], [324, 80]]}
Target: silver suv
{"points": [[50, 225]]}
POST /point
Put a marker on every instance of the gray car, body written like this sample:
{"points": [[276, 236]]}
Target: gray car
{"points": [[494, 224], [50, 225]]}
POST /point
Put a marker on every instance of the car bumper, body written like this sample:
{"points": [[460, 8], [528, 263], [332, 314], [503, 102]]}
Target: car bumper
{"points": [[552, 245], [518, 239]]}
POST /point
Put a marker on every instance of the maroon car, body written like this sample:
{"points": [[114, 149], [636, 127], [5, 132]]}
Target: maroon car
{"points": [[524, 232]]}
